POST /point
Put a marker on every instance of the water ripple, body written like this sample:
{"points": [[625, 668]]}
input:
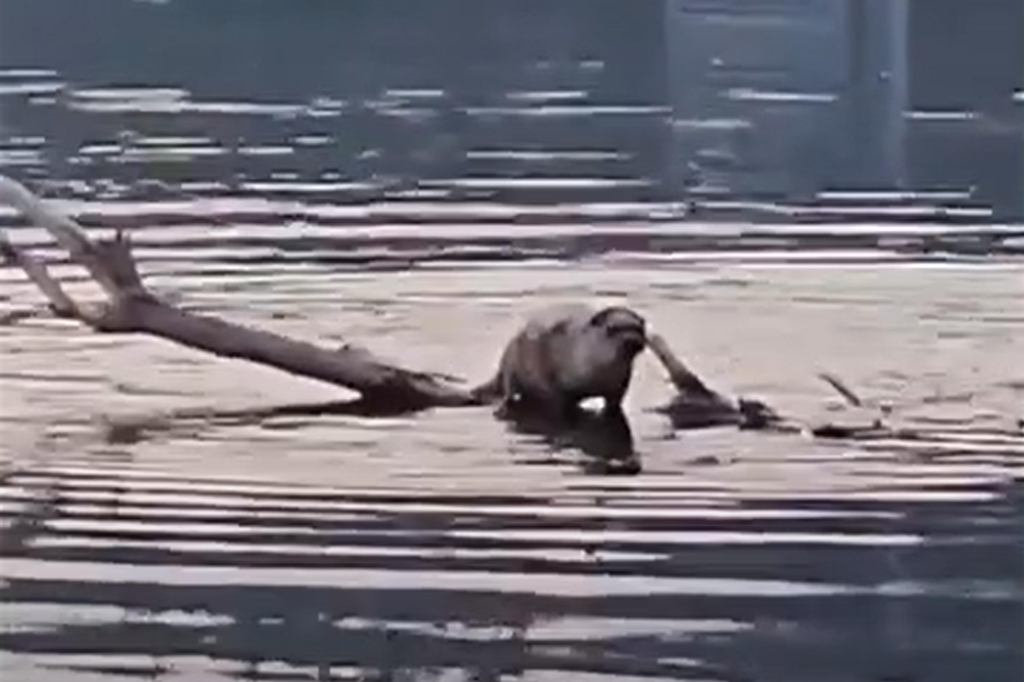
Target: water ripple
{"points": [[449, 547]]}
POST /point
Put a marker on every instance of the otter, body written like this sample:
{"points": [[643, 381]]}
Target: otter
{"points": [[565, 354]]}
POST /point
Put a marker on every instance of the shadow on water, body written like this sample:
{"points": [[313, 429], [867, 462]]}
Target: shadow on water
{"points": [[604, 437], [143, 577], [130, 430]]}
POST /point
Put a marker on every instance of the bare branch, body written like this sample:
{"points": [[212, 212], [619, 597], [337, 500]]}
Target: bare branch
{"points": [[681, 376], [60, 304], [132, 308], [843, 390], [67, 232]]}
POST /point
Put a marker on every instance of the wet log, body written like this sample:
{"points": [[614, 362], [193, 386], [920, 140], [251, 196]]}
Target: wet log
{"points": [[131, 308], [696, 406]]}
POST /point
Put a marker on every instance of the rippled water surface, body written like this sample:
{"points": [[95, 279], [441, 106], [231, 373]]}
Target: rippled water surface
{"points": [[447, 546]]}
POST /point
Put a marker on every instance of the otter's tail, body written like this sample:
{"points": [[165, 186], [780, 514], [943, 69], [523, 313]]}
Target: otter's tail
{"points": [[489, 391]]}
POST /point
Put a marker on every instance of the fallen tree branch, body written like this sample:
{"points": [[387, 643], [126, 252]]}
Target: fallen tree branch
{"points": [[60, 304], [132, 308], [697, 406], [685, 381], [841, 388]]}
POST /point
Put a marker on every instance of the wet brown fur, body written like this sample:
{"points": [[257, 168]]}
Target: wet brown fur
{"points": [[565, 354]]}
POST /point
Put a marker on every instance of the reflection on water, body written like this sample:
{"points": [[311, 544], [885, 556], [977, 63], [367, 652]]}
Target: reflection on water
{"points": [[605, 438], [448, 545]]}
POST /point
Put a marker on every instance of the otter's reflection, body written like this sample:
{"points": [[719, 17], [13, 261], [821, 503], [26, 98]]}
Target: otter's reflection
{"points": [[604, 436]]}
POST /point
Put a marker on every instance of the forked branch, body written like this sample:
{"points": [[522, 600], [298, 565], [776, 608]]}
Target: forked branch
{"points": [[133, 308]]}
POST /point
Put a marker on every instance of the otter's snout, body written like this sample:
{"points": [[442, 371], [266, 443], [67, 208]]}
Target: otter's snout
{"points": [[633, 344], [626, 330], [630, 340]]}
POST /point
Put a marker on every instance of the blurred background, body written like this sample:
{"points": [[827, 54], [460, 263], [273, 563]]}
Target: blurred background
{"points": [[911, 106]]}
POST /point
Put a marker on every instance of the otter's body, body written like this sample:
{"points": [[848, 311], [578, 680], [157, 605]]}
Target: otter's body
{"points": [[565, 354]]}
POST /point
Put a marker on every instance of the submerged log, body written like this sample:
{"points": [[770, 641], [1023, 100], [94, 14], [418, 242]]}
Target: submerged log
{"points": [[696, 406], [132, 308]]}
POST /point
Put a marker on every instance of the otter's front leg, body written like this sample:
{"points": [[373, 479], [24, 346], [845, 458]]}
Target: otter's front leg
{"points": [[613, 400], [548, 402], [552, 404]]}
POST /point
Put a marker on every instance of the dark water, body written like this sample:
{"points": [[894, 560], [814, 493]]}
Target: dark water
{"points": [[359, 100], [240, 582], [577, 101]]}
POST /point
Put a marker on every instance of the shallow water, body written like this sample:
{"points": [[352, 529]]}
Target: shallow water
{"points": [[445, 546]]}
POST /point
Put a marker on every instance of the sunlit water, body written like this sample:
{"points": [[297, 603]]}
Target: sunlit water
{"points": [[446, 546]]}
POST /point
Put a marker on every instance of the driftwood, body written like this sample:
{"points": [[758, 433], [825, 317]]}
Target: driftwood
{"points": [[131, 308], [697, 406]]}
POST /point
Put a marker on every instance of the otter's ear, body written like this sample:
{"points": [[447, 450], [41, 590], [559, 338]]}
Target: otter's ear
{"points": [[599, 318]]}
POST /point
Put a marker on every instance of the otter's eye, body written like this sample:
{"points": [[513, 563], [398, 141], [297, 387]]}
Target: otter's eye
{"points": [[623, 329]]}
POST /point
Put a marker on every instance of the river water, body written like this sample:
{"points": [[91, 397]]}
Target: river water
{"points": [[447, 546]]}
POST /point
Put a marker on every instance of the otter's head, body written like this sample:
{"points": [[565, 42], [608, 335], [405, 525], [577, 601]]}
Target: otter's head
{"points": [[624, 328]]}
